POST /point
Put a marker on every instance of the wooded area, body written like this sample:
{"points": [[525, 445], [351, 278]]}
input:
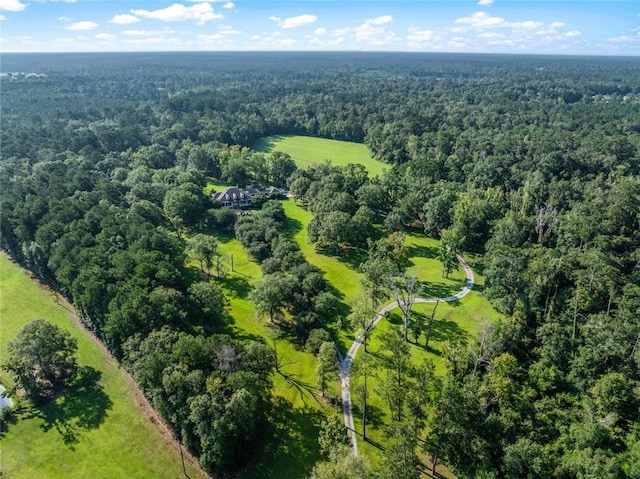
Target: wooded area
{"points": [[532, 162]]}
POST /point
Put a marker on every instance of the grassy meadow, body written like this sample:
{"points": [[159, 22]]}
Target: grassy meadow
{"points": [[307, 150], [97, 432]]}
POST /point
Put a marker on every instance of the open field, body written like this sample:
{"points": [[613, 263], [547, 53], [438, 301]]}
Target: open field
{"points": [[307, 150], [100, 432]]}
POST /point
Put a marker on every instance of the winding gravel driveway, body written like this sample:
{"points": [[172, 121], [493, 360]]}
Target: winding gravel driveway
{"points": [[345, 363]]}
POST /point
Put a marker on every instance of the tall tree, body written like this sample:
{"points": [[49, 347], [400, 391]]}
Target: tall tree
{"points": [[400, 459], [326, 365], [406, 289], [395, 358], [333, 437], [362, 318], [361, 370], [203, 248], [271, 293], [450, 244], [42, 359]]}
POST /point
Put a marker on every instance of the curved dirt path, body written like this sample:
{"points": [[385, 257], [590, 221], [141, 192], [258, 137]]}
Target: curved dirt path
{"points": [[345, 362]]}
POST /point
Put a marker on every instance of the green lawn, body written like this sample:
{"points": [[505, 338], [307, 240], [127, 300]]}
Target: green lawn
{"points": [[461, 321], [291, 446], [100, 433], [307, 150]]}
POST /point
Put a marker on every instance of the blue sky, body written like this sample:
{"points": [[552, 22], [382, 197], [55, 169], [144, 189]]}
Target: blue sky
{"points": [[599, 27]]}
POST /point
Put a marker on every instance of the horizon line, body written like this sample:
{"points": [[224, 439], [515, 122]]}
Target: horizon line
{"points": [[565, 54]]}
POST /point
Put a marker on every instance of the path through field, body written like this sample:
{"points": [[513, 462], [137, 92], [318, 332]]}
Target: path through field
{"points": [[345, 363]]}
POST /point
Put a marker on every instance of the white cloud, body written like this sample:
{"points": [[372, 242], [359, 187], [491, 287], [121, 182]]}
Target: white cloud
{"points": [[228, 30], [2, 18], [64, 19], [229, 5], [340, 32], [293, 22], [201, 12], [216, 40], [491, 35], [12, 5], [331, 42], [417, 38], [483, 21], [65, 40], [210, 38], [271, 41], [105, 36], [485, 2], [124, 19], [484, 32], [630, 37], [166, 42], [149, 33], [382, 20], [478, 21], [525, 25], [320, 31], [86, 25], [144, 41], [373, 31]]}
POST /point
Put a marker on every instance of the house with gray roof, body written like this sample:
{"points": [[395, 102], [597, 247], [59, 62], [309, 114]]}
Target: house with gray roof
{"points": [[232, 198], [238, 198]]}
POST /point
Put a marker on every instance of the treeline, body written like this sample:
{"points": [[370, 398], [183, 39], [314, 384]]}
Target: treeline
{"points": [[103, 235], [403, 107]]}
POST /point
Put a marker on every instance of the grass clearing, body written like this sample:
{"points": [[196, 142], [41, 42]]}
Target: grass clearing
{"points": [[96, 433], [291, 446], [461, 320], [308, 150], [456, 321]]}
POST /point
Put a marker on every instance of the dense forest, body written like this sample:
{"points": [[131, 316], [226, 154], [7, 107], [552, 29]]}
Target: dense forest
{"points": [[532, 162]]}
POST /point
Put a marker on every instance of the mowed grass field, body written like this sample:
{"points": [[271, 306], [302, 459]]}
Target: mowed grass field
{"points": [[95, 433], [307, 150]]}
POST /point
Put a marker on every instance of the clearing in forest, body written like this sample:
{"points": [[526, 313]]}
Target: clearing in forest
{"points": [[307, 150], [101, 431]]}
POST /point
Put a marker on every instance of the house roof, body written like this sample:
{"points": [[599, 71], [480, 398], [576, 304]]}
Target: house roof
{"points": [[231, 194]]}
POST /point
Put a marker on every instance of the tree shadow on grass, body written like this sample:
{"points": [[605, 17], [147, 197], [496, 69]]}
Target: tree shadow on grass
{"points": [[267, 144], [292, 226], [394, 318], [423, 252], [439, 289], [350, 256], [83, 407], [291, 442], [305, 390], [237, 286], [444, 329], [375, 416], [8, 418]]}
